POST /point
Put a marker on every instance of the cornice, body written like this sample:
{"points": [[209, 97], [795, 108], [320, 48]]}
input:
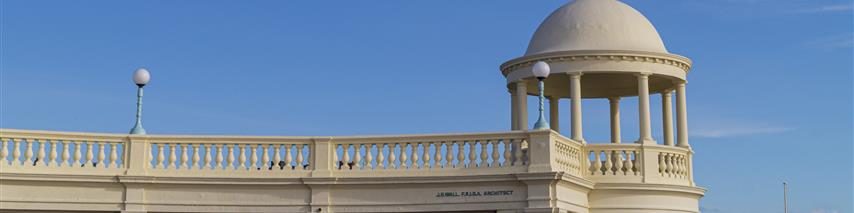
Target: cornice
{"points": [[678, 61]]}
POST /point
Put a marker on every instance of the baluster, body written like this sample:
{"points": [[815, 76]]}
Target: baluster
{"points": [[508, 144], [668, 158], [495, 154], [598, 165], [618, 163], [28, 154], [484, 156], [89, 154], [461, 155], [197, 158], [608, 162], [289, 158], [403, 164], [265, 158], [414, 159], [114, 154], [208, 158], [517, 153], [173, 159], [472, 162], [369, 156], [231, 156], [184, 156], [253, 157], [102, 154], [426, 155], [392, 156], [241, 159], [41, 154], [346, 153], [300, 160], [77, 154], [160, 156], [683, 166], [587, 162], [679, 166], [630, 167], [357, 159], [662, 167], [52, 154], [381, 157], [437, 163], [449, 155], [16, 152], [277, 157], [66, 153], [219, 157], [525, 154], [4, 151]]}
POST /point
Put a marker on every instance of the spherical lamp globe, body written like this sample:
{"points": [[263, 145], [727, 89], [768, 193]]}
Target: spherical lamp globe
{"points": [[541, 69], [141, 77]]}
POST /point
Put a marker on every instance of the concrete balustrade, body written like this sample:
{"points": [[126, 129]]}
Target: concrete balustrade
{"points": [[209, 164]]}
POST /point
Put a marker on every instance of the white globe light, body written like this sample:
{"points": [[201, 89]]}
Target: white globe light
{"points": [[541, 69], [141, 76]]}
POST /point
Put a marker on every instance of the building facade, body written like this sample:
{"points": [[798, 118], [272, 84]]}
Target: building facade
{"points": [[595, 48]]}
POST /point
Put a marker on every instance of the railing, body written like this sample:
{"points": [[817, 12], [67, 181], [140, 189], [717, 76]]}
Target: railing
{"points": [[430, 154], [570, 156], [37, 152], [47, 152], [614, 160]]}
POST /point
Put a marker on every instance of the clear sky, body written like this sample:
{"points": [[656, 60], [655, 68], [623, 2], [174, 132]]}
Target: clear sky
{"points": [[769, 98]]}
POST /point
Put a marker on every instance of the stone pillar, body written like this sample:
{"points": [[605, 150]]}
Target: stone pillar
{"points": [[575, 102], [667, 116], [136, 151], [321, 158], [514, 114], [554, 113], [681, 116], [643, 109], [615, 119], [521, 105]]}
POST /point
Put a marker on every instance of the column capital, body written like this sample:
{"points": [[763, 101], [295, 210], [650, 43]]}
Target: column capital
{"points": [[643, 74], [575, 74], [615, 98], [666, 92]]}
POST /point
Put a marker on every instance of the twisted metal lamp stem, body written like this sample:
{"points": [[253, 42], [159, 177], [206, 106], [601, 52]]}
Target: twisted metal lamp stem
{"points": [[541, 120], [137, 128]]}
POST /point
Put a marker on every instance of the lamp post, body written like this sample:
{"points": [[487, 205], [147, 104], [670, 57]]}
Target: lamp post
{"points": [[140, 77], [541, 71]]}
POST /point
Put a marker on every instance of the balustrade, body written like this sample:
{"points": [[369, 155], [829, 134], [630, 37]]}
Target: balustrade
{"points": [[53, 152], [205, 156], [414, 154], [614, 160], [249, 156]]}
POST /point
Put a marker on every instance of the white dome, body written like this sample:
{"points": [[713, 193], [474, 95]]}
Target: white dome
{"points": [[595, 25]]}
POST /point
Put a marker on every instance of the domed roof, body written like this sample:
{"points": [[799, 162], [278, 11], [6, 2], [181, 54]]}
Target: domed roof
{"points": [[595, 25]]}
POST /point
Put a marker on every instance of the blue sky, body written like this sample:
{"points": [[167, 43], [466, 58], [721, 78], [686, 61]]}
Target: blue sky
{"points": [[769, 98]]}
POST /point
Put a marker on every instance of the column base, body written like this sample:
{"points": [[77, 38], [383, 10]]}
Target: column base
{"points": [[646, 141]]}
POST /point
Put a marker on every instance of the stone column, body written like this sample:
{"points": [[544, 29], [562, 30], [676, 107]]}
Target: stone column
{"points": [[554, 112], [575, 100], [521, 105], [681, 116], [514, 114], [643, 109], [615, 119], [667, 116]]}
